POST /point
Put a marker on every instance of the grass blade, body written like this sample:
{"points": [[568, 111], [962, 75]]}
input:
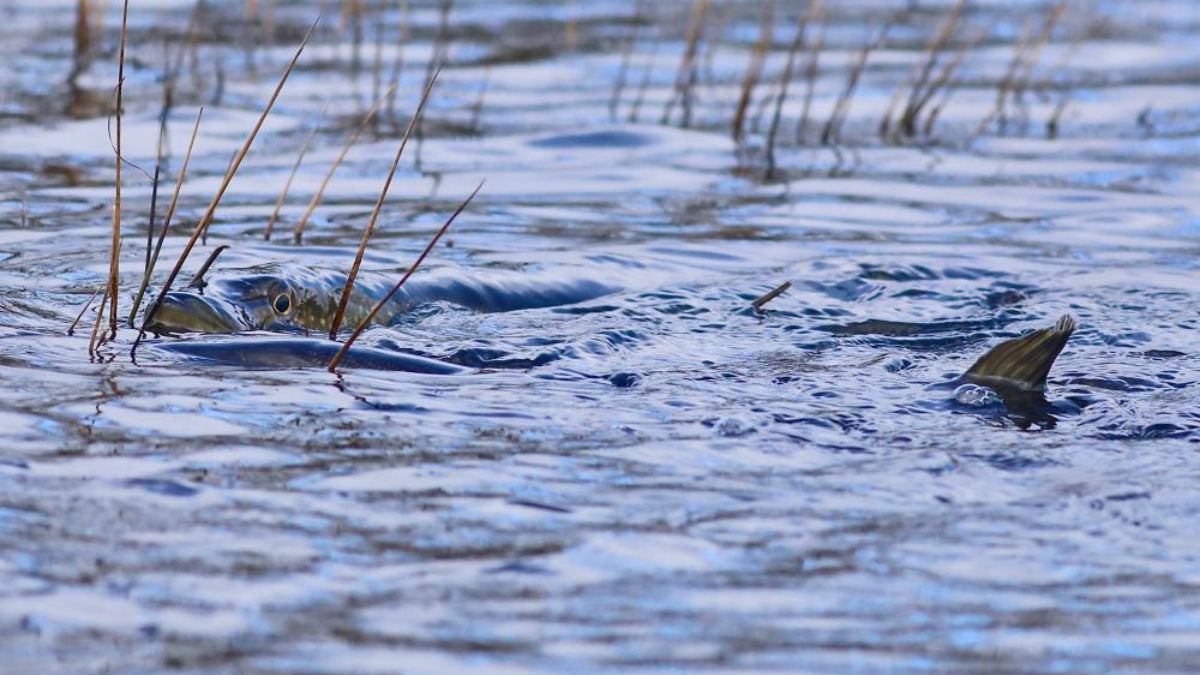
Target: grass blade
{"points": [[362, 325], [287, 185], [162, 234], [320, 194], [114, 252], [387, 184]]}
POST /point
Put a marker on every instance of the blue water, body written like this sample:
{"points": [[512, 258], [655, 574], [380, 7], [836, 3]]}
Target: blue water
{"points": [[659, 479]]}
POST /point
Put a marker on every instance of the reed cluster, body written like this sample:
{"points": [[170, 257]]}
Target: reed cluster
{"points": [[110, 292]]}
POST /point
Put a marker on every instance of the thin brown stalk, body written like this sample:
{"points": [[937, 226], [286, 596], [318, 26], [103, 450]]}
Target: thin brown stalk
{"points": [[571, 29], [833, 125], [154, 196], [1025, 54], [636, 106], [921, 90], [95, 339], [885, 123], [1065, 89], [298, 233], [114, 260], [754, 69], [83, 41], [1034, 53], [622, 73], [398, 62], [225, 181], [945, 85], [811, 70], [1003, 86], [685, 76], [166, 224], [362, 325], [352, 13], [198, 279], [377, 59], [370, 229], [441, 52], [721, 14], [168, 100], [287, 185], [785, 79], [477, 106], [249, 19], [770, 295], [79, 316]]}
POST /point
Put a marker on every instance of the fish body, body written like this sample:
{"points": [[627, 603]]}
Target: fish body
{"points": [[296, 299], [275, 352]]}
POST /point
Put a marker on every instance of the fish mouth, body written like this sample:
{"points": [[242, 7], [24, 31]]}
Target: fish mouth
{"points": [[183, 312]]}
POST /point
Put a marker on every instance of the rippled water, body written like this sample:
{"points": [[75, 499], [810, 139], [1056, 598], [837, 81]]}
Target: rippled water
{"points": [[657, 479]]}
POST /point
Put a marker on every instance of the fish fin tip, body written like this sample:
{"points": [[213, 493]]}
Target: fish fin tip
{"points": [[1024, 362]]}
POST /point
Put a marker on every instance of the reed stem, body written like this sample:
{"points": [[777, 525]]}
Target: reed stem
{"points": [[298, 233], [162, 234], [225, 181], [362, 325], [370, 229]]}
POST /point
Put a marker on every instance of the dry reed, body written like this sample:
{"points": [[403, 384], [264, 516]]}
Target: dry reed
{"points": [[622, 72], [770, 295], [685, 76], [643, 86], [362, 325], [785, 79], [370, 229], [754, 69], [79, 316], [832, 131], [198, 279], [811, 71], [287, 185], [441, 51], [114, 259], [477, 106], [166, 224], [298, 232], [202, 224], [398, 62], [922, 89]]}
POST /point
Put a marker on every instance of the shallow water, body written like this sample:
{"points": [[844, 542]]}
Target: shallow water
{"points": [[658, 479]]}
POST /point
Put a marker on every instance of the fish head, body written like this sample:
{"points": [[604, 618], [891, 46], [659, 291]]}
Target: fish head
{"points": [[230, 305]]}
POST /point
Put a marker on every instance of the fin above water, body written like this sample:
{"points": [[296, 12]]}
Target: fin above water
{"points": [[1023, 362]]}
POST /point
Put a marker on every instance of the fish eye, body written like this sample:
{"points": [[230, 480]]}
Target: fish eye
{"points": [[282, 304]]}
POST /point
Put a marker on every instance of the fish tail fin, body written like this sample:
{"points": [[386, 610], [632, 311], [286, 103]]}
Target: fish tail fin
{"points": [[1025, 361]]}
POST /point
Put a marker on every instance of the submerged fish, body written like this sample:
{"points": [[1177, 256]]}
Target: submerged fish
{"points": [[298, 299]]}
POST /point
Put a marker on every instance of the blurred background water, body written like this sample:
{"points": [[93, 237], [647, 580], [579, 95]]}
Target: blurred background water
{"points": [[662, 478]]}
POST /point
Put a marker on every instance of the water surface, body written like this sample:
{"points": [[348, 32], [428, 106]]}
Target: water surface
{"points": [[658, 479]]}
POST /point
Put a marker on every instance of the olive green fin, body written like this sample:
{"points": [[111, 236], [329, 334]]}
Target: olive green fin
{"points": [[1025, 361]]}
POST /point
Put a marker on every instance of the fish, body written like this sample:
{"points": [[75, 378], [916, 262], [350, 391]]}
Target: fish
{"points": [[274, 352], [287, 298], [260, 317]]}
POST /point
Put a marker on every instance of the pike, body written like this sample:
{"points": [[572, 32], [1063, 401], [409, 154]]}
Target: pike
{"points": [[296, 299]]}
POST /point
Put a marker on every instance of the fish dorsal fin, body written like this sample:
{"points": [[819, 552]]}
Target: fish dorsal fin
{"points": [[1024, 362]]}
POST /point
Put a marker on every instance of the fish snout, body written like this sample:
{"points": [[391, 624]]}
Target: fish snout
{"points": [[184, 312]]}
